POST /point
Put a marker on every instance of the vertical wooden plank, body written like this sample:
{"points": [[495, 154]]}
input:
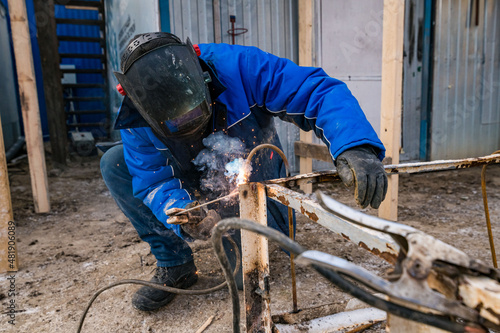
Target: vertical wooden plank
{"points": [[49, 52], [390, 132], [6, 215], [255, 260], [217, 24], [392, 88], [29, 104], [305, 59]]}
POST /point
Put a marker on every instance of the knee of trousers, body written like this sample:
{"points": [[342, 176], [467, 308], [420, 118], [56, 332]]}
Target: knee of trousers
{"points": [[113, 165]]}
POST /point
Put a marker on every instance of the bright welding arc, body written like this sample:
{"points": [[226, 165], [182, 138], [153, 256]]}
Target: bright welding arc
{"points": [[243, 169]]}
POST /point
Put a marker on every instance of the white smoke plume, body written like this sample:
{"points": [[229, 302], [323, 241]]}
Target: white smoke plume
{"points": [[220, 163]]}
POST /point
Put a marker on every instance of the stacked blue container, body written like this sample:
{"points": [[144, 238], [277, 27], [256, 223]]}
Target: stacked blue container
{"points": [[80, 30]]}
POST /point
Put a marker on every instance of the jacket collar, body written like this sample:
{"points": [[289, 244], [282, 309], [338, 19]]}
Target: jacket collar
{"points": [[129, 117]]}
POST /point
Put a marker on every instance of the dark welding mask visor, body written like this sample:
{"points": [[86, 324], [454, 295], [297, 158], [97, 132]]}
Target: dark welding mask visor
{"points": [[168, 88]]}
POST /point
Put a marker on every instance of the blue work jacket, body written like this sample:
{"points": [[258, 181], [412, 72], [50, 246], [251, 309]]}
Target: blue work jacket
{"points": [[250, 88]]}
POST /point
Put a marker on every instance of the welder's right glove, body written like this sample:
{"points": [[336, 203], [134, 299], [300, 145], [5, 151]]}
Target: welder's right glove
{"points": [[203, 229], [360, 165], [196, 223]]}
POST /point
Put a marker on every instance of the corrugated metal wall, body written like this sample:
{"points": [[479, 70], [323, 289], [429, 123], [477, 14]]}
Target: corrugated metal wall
{"points": [[37, 65], [272, 26], [124, 19], [351, 51], [9, 112], [412, 80], [466, 96]]}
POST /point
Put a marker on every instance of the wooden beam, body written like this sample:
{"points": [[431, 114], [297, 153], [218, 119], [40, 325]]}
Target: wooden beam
{"points": [[217, 25], [392, 89], [315, 151], [29, 104], [306, 10], [390, 131], [49, 53], [6, 216]]}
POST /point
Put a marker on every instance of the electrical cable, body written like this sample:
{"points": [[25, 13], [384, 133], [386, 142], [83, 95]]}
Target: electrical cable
{"points": [[441, 322], [487, 213], [165, 288]]}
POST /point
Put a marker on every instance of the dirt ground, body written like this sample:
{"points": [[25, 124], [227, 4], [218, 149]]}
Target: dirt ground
{"points": [[86, 243]]}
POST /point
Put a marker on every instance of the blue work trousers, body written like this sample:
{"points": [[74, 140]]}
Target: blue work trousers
{"points": [[168, 248]]}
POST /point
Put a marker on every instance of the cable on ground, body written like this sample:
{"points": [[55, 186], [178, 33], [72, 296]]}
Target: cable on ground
{"points": [[162, 287]]}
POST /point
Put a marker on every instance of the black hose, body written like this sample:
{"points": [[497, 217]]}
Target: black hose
{"points": [[347, 286], [14, 149]]}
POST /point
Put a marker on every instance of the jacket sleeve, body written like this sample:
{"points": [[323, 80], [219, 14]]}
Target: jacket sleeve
{"points": [[308, 97], [153, 179]]}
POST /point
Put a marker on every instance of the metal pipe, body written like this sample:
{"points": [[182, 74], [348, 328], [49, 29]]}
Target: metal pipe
{"points": [[270, 146], [14, 149], [487, 214], [406, 168], [292, 262], [255, 260], [380, 244]]}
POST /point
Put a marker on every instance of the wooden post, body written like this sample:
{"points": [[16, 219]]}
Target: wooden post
{"points": [[29, 104], [6, 216], [217, 26], [49, 53], [392, 89], [255, 260], [390, 132], [306, 8]]}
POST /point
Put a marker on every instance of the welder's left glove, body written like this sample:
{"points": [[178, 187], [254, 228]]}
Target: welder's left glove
{"points": [[360, 165]]}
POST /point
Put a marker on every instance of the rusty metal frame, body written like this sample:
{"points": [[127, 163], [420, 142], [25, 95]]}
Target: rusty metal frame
{"points": [[254, 248]]}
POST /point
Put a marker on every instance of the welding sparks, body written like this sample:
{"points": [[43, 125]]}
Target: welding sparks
{"points": [[238, 171], [221, 164]]}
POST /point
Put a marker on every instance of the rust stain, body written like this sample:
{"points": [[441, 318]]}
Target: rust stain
{"points": [[283, 200], [390, 246], [310, 215], [387, 256], [253, 301], [346, 237]]}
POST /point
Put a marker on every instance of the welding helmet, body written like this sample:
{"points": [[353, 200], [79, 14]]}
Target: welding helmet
{"points": [[164, 80]]}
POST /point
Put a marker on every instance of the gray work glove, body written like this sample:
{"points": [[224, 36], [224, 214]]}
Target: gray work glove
{"points": [[196, 223], [360, 165]]}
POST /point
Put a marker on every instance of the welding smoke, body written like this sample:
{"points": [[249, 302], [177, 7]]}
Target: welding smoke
{"points": [[220, 164]]}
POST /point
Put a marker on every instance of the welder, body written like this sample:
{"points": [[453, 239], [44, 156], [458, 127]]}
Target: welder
{"points": [[177, 94]]}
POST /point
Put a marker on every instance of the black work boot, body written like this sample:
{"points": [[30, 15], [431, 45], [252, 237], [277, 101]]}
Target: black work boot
{"points": [[182, 276]]}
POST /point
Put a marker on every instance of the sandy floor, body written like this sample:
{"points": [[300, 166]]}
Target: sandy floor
{"points": [[86, 243]]}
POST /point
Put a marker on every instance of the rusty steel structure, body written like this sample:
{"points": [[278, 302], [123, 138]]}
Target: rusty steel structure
{"points": [[377, 241]]}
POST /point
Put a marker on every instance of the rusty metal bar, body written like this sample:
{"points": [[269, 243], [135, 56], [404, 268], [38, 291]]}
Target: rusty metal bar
{"points": [[404, 168], [376, 242], [255, 260], [291, 232]]}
